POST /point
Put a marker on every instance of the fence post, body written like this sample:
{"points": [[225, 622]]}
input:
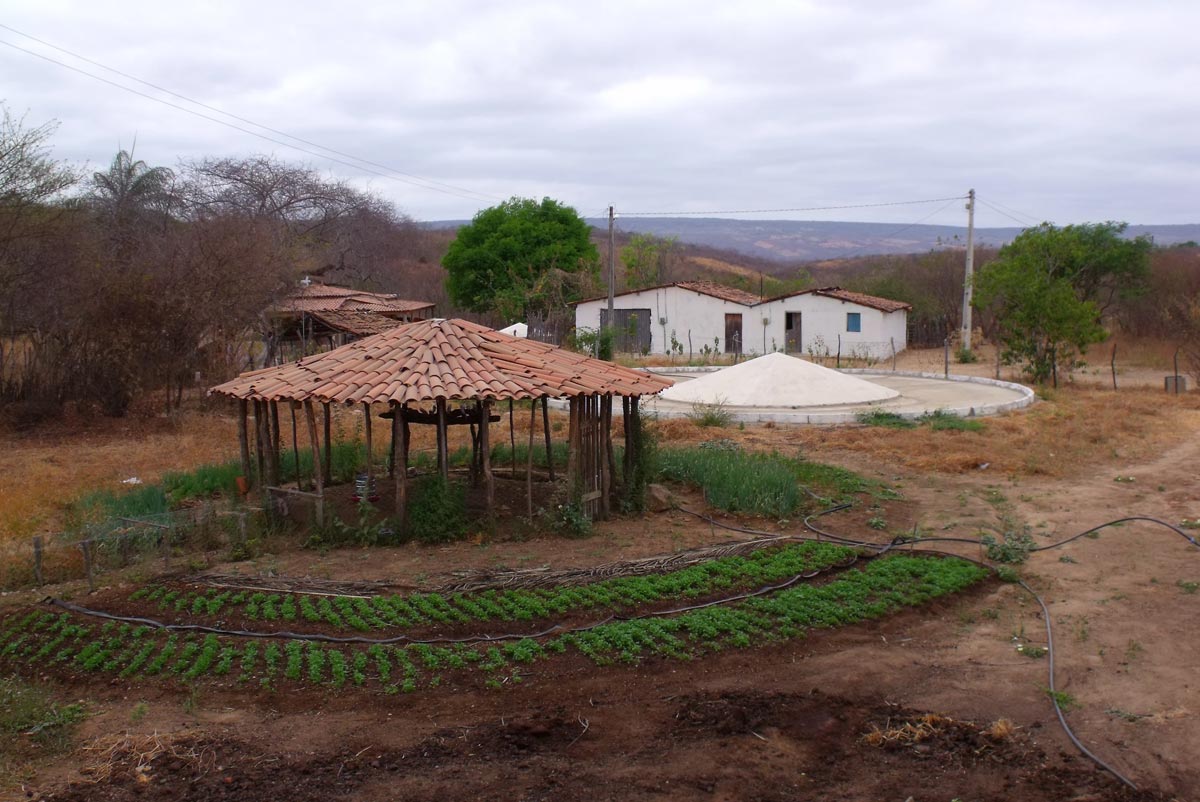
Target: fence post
{"points": [[893, 354], [1113, 364], [839, 353], [1175, 378], [946, 356], [86, 547], [37, 560]]}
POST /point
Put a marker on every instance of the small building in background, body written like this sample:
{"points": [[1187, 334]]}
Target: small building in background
{"points": [[696, 318], [317, 317]]}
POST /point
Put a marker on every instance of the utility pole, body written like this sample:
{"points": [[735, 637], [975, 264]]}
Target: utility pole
{"points": [[612, 263], [965, 343]]}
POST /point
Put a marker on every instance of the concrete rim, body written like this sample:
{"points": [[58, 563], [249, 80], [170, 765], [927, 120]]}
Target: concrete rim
{"points": [[812, 415]]}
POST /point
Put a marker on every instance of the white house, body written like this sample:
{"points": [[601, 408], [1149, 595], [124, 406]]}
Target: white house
{"points": [[694, 316]]}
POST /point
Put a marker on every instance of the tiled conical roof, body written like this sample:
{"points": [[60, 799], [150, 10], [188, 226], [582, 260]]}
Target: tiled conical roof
{"points": [[431, 359]]}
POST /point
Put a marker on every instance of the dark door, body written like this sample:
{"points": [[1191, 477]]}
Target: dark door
{"points": [[792, 341], [631, 330], [733, 334]]}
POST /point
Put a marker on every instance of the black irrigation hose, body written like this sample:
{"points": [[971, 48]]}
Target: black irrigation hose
{"points": [[322, 638], [1045, 611]]}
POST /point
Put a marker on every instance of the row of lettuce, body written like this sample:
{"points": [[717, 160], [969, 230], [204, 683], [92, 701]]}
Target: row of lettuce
{"points": [[43, 639]]}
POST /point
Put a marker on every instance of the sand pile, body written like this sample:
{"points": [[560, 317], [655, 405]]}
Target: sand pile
{"points": [[778, 380]]}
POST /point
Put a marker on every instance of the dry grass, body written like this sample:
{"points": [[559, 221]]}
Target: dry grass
{"points": [[908, 732], [1077, 428], [48, 468]]}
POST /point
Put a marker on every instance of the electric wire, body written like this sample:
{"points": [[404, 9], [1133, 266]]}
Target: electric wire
{"points": [[998, 210], [1017, 212], [394, 175], [792, 209]]}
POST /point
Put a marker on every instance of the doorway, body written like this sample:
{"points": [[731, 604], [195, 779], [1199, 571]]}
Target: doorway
{"points": [[733, 334], [793, 342]]}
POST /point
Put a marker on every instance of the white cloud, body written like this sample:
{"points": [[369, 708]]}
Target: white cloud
{"points": [[1072, 111]]}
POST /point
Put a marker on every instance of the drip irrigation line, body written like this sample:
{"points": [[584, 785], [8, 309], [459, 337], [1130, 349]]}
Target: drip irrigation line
{"points": [[359, 639], [1058, 711]]}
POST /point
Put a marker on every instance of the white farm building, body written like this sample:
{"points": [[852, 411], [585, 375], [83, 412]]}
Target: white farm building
{"points": [[693, 317]]}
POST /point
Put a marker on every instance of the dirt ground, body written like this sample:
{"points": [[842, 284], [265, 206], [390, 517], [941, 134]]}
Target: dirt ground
{"points": [[797, 720]]}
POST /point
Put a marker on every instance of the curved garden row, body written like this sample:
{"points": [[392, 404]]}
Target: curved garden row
{"points": [[64, 643]]}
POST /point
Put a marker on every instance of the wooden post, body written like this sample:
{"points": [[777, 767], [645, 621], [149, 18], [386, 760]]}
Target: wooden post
{"points": [[370, 450], [275, 450], [533, 410], [546, 429], [485, 451], [37, 560], [296, 446], [512, 438], [634, 425], [607, 461], [573, 447], [328, 453], [318, 479], [628, 455], [244, 440], [400, 446], [86, 547], [259, 444], [443, 447]]}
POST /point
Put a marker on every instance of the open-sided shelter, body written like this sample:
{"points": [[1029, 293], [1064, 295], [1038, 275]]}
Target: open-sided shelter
{"points": [[317, 315], [418, 370]]}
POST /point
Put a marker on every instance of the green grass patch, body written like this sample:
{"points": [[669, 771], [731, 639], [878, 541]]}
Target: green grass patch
{"points": [[942, 421], [888, 420], [771, 484]]}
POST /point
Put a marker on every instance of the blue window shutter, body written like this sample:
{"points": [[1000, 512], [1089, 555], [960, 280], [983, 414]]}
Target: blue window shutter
{"points": [[853, 321]]}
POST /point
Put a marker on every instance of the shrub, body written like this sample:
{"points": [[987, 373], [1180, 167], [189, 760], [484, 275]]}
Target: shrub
{"points": [[711, 414], [888, 420], [735, 481], [437, 510], [966, 356]]}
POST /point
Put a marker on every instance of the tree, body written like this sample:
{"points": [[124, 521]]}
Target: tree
{"points": [[130, 187], [521, 256], [648, 260], [1049, 289]]}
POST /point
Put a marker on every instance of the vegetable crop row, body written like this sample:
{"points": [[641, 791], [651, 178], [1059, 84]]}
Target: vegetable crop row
{"points": [[422, 610], [43, 638]]}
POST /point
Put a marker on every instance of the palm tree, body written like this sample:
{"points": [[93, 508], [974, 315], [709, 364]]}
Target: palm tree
{"points": [[129, 187]]}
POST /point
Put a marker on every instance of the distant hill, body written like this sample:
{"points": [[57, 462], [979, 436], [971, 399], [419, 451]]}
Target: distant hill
{"points": [[805, 241]]}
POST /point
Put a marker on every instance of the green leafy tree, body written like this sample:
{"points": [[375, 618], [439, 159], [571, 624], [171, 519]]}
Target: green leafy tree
{"points": [[1050, 287], [648, 260], [521, 256]]}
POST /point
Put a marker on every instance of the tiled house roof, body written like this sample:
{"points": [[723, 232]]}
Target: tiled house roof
{"points": [[430, 359], [325, 298]]}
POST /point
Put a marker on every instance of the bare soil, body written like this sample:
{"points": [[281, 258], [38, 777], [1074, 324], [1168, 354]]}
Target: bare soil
{"points": [[786, 721]]}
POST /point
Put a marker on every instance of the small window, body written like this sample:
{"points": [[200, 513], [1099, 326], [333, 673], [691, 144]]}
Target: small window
{"points": [[853, 321]]}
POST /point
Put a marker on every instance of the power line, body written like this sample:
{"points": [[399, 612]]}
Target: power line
{"points": [[392, 173], [994, 204], [1022, 223], [902, 229], [793, 209]]}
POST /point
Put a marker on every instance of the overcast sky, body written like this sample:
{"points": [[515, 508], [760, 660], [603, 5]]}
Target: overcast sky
{"points": [[1070, 112]]}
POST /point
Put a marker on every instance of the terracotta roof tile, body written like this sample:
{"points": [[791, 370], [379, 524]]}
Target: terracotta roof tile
{"points": [[710, 288], [430, 359], [324, 298], [862, 299]]}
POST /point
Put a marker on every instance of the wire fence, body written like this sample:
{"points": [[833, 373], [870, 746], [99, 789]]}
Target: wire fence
{"points": [[115, 544]]}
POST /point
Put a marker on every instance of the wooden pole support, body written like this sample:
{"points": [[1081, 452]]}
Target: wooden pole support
{"points": [[485, 449], [310, 418], [400, 434], [327, 473], [533, 411], [244, 440], [546, 429]]}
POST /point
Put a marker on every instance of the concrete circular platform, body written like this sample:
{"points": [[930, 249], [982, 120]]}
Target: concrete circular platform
{"points": [[920, 394]]}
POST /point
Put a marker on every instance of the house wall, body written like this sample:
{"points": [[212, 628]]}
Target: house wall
{"points": [[703, 316], [823, 319], [685, 311]]}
